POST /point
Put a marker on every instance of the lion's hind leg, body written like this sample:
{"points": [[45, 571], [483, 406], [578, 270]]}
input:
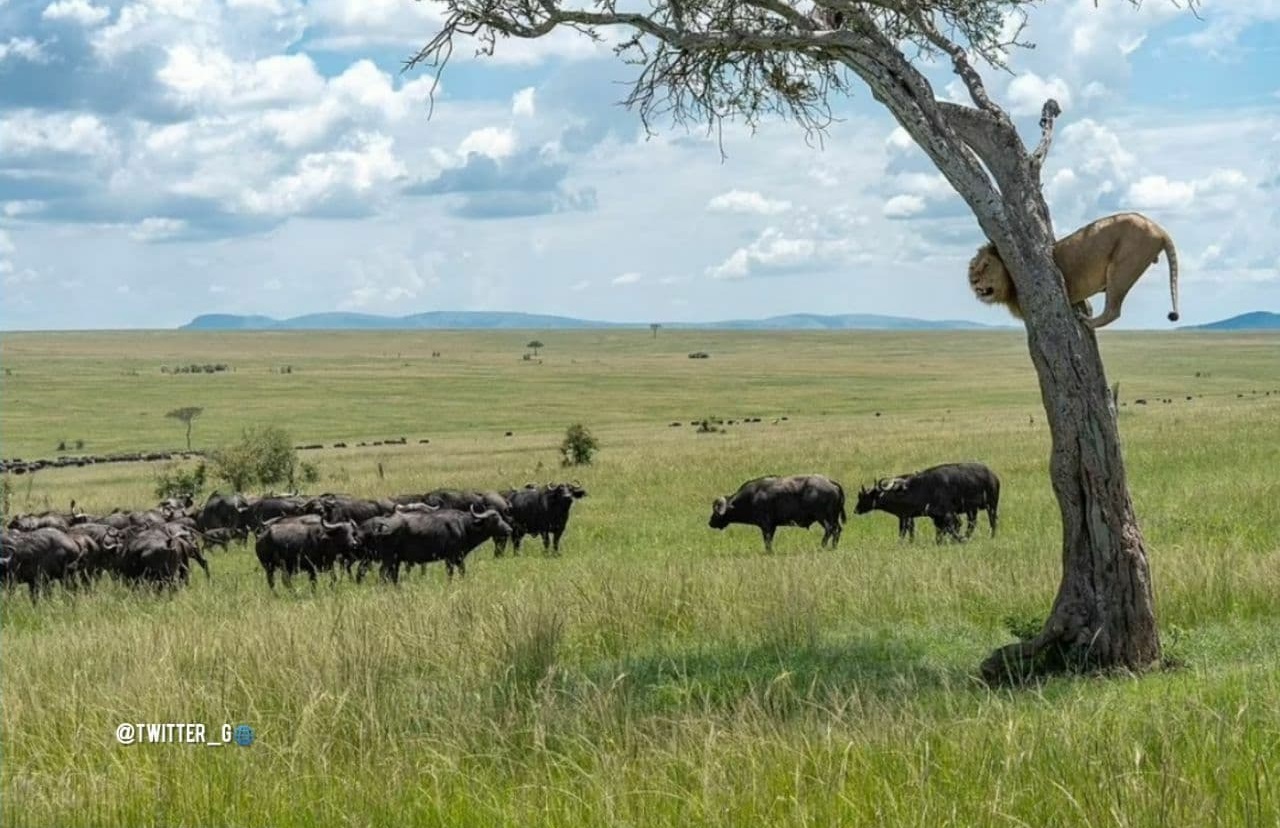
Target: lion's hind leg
{"points": [[1115, 298]]}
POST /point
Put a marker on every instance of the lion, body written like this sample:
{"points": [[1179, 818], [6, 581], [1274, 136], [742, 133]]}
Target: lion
{"points": [[1106, 255]]}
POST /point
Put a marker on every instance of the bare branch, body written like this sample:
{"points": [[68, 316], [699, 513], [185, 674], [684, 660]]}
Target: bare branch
{"points": [[1048, 114]]}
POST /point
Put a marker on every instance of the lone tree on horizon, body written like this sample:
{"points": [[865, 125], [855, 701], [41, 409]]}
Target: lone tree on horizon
{"points": [[534, 346], [186, 415], [654, 326], [710, 60]]}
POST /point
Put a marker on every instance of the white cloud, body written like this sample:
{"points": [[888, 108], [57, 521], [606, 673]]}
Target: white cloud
{"points": [[1028, 92], [773, 252], [157, 228], [522, 102], [22, 48], [76, 11], [6, 243], [1156, 192], [24, 207], [494, 142], [899, 139], [26, 132], [580, 285], [903, 206], [627, 279], [745, 201], [322, 177]]}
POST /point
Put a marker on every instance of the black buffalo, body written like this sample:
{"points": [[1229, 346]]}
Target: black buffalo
{"points": [[468, 500], [443, 535], [37, 558], [542, 511], [770, 502], [341, 508], [309, 543], [223, 512], [940, 493], [266, 509]]}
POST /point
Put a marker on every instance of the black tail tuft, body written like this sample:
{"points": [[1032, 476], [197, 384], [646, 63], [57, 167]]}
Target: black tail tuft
{"points": [[1173, 316]]}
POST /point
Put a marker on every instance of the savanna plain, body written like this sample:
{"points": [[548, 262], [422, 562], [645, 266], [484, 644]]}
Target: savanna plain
{"points": [[657, 672]]}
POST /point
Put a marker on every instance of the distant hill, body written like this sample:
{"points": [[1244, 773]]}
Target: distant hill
{"points": [[499, 320], [1255, 321]]}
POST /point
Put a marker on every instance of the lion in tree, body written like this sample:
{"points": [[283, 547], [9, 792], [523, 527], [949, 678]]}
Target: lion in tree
{"points": [[1107, 255]]}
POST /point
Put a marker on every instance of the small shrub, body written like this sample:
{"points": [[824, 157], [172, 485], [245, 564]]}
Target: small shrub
{"points": [[176, 481], [579, 446], [62, 445], [79, 445]]}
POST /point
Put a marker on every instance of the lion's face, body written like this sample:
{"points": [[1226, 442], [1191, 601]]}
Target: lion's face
{"points": [[987, 277]]}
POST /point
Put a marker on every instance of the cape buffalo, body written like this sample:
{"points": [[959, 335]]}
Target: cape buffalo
{"points": [[444, 535], [542, 511], [940, 493], [38, 557], [770, 502], [310, 543]]}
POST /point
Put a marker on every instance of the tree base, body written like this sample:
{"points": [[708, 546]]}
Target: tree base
{"points": [[1053, 653]]}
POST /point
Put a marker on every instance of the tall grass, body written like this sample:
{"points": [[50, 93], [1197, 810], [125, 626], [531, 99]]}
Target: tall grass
{"points": [[660, 672]]}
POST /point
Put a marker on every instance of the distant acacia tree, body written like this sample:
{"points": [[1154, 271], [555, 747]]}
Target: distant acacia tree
{"points": [[186, 415], [710, 60], [534, 346], [653, 326]]}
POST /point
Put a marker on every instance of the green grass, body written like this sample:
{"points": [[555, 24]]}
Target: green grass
{"points": [[659, 672]]}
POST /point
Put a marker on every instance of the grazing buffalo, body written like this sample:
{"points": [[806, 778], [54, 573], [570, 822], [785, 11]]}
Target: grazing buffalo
{"points": [[45, 520], [424, 537], [770, 502], [939, 493], [38, 557], [221, 538], [309, 543], [542, 511]]}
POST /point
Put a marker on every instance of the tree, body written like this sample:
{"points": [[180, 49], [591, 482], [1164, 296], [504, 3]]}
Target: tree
{"points": [[263, 455], [186, 415], [578, 447], [711, 60], [534, 346], [653, 326]]}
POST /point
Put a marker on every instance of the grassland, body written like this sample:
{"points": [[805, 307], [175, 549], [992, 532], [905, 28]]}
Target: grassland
{"points": [[658, 673]]}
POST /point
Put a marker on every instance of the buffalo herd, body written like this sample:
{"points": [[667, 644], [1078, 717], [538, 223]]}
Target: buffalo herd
{"points": [[325, 533], [292, 533]]}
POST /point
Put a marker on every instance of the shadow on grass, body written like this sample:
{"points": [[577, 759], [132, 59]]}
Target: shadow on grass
{"points": [[783, 679]]}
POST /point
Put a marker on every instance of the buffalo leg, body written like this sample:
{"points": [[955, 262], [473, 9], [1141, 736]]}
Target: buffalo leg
{"points": [[768, 531], [546, 542], [991, 518], [972, 515], [271, 576], [499, 547], [202, 563], [555, 536], [516, 537], [836, 531]]}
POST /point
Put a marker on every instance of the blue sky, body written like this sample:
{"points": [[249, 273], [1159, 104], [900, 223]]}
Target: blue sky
{"points": [[165, 158]]}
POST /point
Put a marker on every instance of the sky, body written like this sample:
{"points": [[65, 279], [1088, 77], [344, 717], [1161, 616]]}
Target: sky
{"points": [[161, 159]]}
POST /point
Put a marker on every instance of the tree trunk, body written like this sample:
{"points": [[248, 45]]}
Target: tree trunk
{"points": [[1103, 616], [188, 435]]}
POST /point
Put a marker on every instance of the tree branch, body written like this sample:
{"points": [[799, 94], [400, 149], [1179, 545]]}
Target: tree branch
{"points": [[1048, 114], [959, 62]]}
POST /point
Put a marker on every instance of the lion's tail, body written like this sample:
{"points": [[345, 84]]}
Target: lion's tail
{"points": [[1172, 255]]}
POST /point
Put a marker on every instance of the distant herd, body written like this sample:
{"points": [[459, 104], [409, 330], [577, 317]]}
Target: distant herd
{"points": [[295, 533]]}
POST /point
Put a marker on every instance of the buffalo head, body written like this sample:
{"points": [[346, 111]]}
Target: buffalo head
{"points": [[719, 513]]}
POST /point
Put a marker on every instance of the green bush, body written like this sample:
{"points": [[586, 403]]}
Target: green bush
{"points": [[176, 480], [264, 455], [579, 446]]}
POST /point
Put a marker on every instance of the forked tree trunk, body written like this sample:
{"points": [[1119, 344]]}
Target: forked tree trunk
{"points": [[1103, 616]]}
